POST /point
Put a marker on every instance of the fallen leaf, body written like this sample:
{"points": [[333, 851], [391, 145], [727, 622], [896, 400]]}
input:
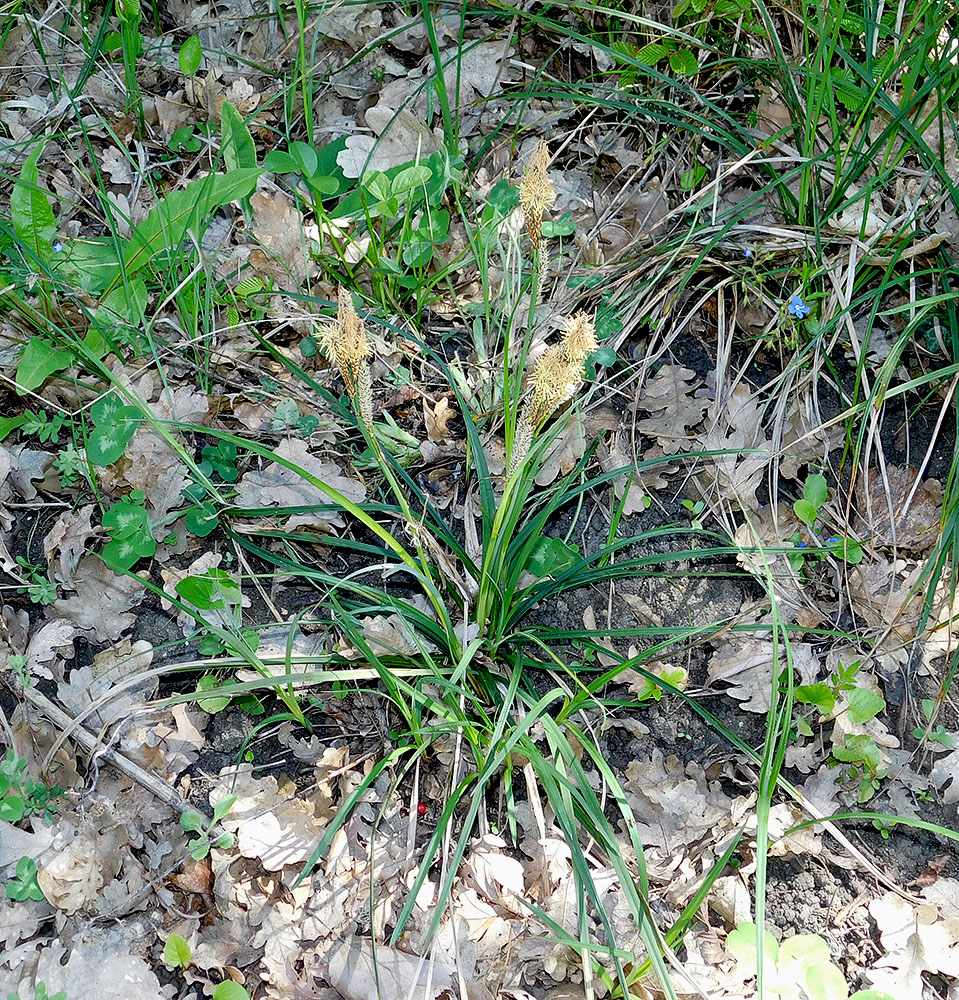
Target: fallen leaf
{"points": [[102, 600], [276, 485], [916, 940], [360, 970]]}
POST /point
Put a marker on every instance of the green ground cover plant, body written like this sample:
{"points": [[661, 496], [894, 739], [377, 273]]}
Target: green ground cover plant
{"points": [[448, 373]]}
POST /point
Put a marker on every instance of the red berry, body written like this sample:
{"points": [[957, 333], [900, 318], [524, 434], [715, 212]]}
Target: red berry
{"points": [[421, 808]]}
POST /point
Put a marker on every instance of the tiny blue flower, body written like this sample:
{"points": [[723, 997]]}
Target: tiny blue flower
{"points": [[747, 252], [801, 545], [58, 247], [832, 541], [798, 308]]}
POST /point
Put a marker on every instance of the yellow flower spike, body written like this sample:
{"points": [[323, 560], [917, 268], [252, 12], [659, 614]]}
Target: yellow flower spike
{"points": [[352, 348], [536, 193], [579, 339]]}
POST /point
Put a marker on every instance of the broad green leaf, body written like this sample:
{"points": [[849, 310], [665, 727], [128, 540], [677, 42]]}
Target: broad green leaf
{"points": [[551, 556], [191, 821], [8, 424], [39, 360], [30, 209], [864, 704], [191, 52], [305, 155], [228, 990], [177, 951], [806, 512], [211, 592], [239, 150], [683, 63], [202, 519], [223, 806], [12, 809], [278, 161], [409, 178], [376, 185], [851, 551], [815, 490], [820, 695], [210, 705], [185, 211]]}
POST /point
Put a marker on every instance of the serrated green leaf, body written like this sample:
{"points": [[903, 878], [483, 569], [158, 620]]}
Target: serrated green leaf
{"points": [[239, 150], [122, 553], [820, 695], [39, 360], [109, 439], [177, 951], [651, 54], [30, 208], [683, 63], [190, 56]]}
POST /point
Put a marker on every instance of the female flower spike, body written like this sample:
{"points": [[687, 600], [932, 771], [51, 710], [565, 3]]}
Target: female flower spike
{"points": [[536, 193], [345, 343]]}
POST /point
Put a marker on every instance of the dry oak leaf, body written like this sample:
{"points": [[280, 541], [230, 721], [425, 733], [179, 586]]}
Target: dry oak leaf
{"points": [[669, 397], [916, 527], [102, 965], [673, 803], [437, 418], [276, 828], [359, 971], [916, 940], [278, 227], [102, 600], [276, 485], [74, 877], [88, 684], [70, 537], [746, 664], [400, 137]]}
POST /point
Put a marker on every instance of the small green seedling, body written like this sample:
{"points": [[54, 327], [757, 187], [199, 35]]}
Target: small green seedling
{"points": [[39, 588], [863, 703], [25, 886], [860, 752], [192, 822], [40, 993], [22, 796], [807, 509], [799, 966], [938, 735], [695, 508], [177, 952]]}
